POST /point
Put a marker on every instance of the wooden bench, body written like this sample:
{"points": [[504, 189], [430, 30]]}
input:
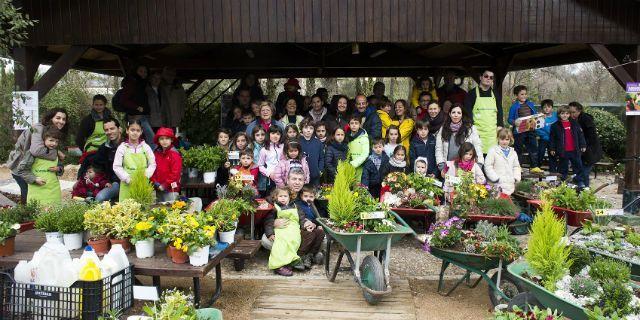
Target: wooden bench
{"points": [[606, 166], [244, 249]]}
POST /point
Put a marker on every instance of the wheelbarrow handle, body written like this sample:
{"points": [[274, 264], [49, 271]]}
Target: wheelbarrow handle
{"points": [[403, 222]]}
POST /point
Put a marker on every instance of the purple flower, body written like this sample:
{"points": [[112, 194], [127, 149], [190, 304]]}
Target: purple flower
{"points": [[444, 232], [426, 246]]}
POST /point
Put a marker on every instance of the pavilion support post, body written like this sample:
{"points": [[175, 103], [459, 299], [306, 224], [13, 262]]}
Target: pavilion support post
{"points": [[623, 74], [501, 68], [58, 70], [28, 60]]}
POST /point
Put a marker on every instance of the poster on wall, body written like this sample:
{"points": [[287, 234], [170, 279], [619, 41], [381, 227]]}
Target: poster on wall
{"points": [[25, 108], [632, 99]]}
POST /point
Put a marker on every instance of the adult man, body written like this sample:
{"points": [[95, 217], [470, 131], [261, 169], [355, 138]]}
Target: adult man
{"points": [[371, 123], [450, 90], [104, 160], [311, 241], [594, 150], [176, 98], [378, 91], [156, 97], [90, 135], [485, 106]]}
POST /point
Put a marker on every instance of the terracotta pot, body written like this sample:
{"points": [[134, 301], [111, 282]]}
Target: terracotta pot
{"points": [[100, 245], [178, 256], [8, 248], [168, 251], [126, 244]]}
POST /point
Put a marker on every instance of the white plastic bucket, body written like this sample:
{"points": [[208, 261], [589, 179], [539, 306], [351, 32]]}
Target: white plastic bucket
{"points": [[199, 257], [73, 241], [144, 248], [54, 236], [227, 236], [209, 177]]}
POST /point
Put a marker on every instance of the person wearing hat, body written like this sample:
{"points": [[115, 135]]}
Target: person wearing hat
{"points": [[291, 88], [166, 178]]}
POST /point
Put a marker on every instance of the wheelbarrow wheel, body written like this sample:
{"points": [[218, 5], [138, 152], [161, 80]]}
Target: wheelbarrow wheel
{"points": [[372, 277], [509, 285]]}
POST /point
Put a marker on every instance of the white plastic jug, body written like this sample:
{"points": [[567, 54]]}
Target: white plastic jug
{"points": [[119, 258], [89, 254], [22, 272]]}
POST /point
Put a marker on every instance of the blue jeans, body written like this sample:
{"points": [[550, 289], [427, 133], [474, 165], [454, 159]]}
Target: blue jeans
{"points": [[543, 147], [576, 165], [24, 187], [147, 130], [108, 194], [528, 139], [586, 171]]}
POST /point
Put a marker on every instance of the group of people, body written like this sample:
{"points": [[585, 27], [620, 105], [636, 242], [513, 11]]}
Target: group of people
{"points": [[287, 149]]}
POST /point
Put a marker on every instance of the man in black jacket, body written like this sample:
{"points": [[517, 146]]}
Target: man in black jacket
{"points": [[594, 151], [104, 160]]}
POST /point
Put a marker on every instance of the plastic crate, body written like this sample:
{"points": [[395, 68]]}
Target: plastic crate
{"points": [[87, 300]]}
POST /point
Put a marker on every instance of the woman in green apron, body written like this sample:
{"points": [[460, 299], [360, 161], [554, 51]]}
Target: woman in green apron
{"points": [[131, 156], [287, 238]]}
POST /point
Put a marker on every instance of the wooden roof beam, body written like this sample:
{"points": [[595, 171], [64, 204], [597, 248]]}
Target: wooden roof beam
{"points": [[58, 70], [614, 66]]}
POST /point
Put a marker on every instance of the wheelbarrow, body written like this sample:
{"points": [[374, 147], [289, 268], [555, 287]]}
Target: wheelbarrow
{"points": [[502, 286], [371, 273]]}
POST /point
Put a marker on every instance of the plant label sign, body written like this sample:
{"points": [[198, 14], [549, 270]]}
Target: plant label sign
{"points": [[234, 155], [551, 178], [437, 183], [372, 215], [632, 99], [25, 109]]}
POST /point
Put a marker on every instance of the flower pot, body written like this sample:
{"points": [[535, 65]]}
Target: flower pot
{"points": [[178, 256], [192, 173], [99, 245], [72, 241], [126, 244], [227, 236], [168, 251], [8, 248], [144, 248], [209, 177], [200, 257], [26, 226], [53, 236]]}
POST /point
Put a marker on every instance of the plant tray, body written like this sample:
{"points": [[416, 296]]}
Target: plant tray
{"points": [[490, 218], [473, 260], [371, 241], [411, 212], [26, 226], [635, 268], [574, 218]]}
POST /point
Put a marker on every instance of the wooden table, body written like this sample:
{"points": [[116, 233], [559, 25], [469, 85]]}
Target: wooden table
{"points": [[157, 266]]}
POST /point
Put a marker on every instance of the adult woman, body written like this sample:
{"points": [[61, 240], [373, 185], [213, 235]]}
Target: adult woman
{"points": [[342, 112], [456, 130], [266, 118], [405, 120], [424, 84], [435, 116], [291, 116], [32, 142]]}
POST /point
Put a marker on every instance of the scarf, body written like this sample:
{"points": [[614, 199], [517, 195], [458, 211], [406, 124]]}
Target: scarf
{"points": [[455, 126], [265, 124], [436, 123], [376, 159], [396, 163], [466, 165], [317, 116], [505, 151]]}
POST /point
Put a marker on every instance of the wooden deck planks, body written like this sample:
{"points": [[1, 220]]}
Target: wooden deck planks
{"points": [[318, 299]]}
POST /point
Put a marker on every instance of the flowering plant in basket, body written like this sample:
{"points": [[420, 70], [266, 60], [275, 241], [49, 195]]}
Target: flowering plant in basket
{"points": [[8, 230], [445, 234], [225, 213]]}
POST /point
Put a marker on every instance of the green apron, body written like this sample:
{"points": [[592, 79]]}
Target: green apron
{"points": [[50, 193], [485, 117], [131, 163], [288, 239], [97, 138]]}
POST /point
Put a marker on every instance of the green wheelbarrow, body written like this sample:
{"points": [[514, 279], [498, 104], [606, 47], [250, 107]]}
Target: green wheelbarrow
{"points": [[371, 273], [502, 285]]}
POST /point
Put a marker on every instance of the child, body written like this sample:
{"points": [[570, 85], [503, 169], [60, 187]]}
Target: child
{"points": [[166, 178], [247, 170], [259, 135], [371, 175], [241, 142], [88, 187], [313, 151], [397, 163], [292, 132], [523, 107], [247, 117], [466, 161], [268, 159], [292, 157], [420, 166], [384, 112], [392, 140], [223, 137], [358, 145], [501, 164], [132, 155], [286, 239], [41, 175], [336, 151], [550, 117], [310, 229], [321, 131], [424, 145], [566, 141]]}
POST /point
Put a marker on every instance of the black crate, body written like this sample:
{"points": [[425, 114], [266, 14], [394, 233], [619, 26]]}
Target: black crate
{"points": [[87, 300]]}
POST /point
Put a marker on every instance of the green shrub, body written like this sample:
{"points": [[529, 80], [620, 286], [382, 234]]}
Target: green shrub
{"points": [[498, 207], [604, 270], [204, 158], [525, 185], [141, 189], [616, 298], [580, 257], [71, 217], [47, 221], [633, 238], [342, 202], [611, 132], [583, 286], [20, 213]]}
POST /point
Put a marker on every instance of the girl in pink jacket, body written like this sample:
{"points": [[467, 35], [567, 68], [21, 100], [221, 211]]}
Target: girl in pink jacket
{"points": [[292, 158]]}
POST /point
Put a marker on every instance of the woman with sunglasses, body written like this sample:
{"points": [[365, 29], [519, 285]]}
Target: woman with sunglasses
{"points": [[484, 105]]}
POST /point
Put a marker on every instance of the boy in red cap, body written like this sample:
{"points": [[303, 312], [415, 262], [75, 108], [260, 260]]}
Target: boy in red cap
{"points": [[166, 178]]}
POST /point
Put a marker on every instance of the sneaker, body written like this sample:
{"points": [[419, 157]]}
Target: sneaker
{"points": [[298, 265], [284, 271], [307, 261], [319, 258]]}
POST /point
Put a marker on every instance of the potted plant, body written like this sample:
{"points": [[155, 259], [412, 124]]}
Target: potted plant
{"points": [[71, 224], [142, 238], [123, 221], [186, 234], [206, 159], [189, 157], [47, 222], [225, 213], [172, 305], [97, 222], [22, 214], [8, 233]]}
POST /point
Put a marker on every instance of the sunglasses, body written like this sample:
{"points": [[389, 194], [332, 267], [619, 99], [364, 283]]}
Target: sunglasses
{"points": [[486, 76]]}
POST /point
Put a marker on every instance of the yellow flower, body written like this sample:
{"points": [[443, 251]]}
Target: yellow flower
{"points": [[233, 216], [355, 194], [185, 248], [178, 205], [143, 226]]}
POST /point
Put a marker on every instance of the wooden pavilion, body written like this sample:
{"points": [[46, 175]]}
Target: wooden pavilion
{"points": [[214, 39]]}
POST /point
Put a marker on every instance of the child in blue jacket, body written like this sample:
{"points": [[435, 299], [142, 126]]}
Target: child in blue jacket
{"points": [[423, 145], [371, 171], [523, 107], [313, 150], [550, 117]]}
